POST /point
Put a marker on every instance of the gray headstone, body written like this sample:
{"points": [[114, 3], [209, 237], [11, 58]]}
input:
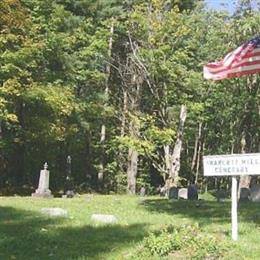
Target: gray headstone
{"points": [[104, 218], [183, 193], [192, 192], [244, 194], [142, 191], [221, 195], [173, 193], [162, 191], [255, 193], [70, 193], [54, 212], [43, 186]]}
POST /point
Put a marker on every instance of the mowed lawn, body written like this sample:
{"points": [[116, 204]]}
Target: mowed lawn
{"points": [[27, 234]]}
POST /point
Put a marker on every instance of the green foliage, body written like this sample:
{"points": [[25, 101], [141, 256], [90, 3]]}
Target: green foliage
{"points": [[187, 238], [59, 99], [141, 146], [60, 81], [162, 243], [159, 136]]}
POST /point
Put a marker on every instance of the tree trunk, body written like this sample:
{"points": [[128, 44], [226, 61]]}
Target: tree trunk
{"points": [[134, 77], [102, 154], [132, 171], [103, 127], [245, 180], [168, 165], [132, 160], [176, 155], [19, 151], [195, 152], [2, 174], [120, 156], [87, 155], [198, 154], [123, 120], [249, 126]]}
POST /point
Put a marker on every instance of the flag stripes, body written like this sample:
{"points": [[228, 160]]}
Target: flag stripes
{"points": [[242, 61]]}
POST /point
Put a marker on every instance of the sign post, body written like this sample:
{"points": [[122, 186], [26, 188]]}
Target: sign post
{"points": [[234, 209], [232, 165]]}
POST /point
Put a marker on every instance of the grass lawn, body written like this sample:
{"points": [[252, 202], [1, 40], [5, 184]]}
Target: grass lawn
{"points": [[27, 234]]}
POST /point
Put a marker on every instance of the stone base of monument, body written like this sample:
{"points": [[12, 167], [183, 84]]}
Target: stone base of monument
{"points": [[46, 194]]}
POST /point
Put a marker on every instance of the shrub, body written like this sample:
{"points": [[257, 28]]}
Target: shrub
{"points": [[187, 239], [162, 242]]}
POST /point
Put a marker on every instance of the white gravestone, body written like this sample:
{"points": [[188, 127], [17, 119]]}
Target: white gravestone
{"points": [[43, 187], [54, 212], [183, 193], [104, 218]]}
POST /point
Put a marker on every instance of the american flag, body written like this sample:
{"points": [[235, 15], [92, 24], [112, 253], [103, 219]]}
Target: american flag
{"points": [[242, 61]]}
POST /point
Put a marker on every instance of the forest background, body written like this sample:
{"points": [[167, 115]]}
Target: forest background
{"points": [[118, 86]]}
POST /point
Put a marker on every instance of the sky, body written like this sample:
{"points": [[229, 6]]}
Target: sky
{"points": [[221, 5], [225, 4]]}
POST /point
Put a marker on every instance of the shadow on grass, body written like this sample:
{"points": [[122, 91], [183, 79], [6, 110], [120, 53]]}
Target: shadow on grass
{"points": [[27, 236], [204, 212]]}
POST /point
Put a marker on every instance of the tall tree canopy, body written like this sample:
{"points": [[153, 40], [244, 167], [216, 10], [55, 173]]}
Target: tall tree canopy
{"points": [[118, 86]]}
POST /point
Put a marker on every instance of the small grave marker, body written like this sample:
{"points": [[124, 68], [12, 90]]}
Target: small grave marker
{"points": [[54, 212], [104, 218], [173, 193], [244, 194], [192, 192], [221, 195], [183, 193], [255, 193]]}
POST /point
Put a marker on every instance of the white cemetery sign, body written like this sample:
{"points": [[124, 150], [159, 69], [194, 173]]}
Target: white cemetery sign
{"points": [[232, 165]]}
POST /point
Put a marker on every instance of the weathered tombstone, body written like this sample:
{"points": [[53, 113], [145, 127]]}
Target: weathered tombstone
{"points": [[183, 193], [173, 193], [192, 192], [244, 194], [43, 187], [104, 218], [69, 193], [221, 195], [142, 191], [163, 191], [54, 212], [255, 193]]}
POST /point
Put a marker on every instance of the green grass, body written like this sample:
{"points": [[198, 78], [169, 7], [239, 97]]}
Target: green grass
{"points": [[27, 234]]}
